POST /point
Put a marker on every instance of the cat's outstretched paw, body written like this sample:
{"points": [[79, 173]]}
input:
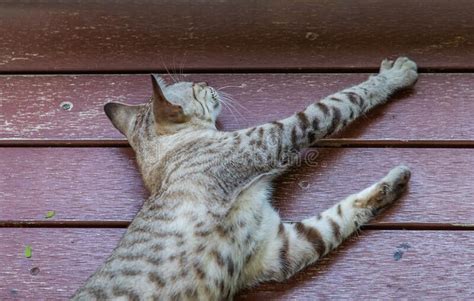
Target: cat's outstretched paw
{"points": [[385, 192], [392, 186], [400, 74]]}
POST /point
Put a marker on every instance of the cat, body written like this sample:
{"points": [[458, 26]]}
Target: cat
{"points": [[208, 228]]}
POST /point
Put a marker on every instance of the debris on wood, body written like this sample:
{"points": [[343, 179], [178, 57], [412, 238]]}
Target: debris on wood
{"points": [[28, 251], [35, 271], [50, 214]]}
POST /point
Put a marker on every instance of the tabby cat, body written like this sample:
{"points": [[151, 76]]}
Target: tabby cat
{"points": [[208, 228]]}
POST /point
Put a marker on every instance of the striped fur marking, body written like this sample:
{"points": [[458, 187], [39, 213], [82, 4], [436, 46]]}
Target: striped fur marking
{"points": [[313, 236]]}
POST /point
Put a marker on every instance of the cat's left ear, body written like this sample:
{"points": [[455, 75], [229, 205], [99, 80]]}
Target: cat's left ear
{"points": [[163, 110], [121, 115]]}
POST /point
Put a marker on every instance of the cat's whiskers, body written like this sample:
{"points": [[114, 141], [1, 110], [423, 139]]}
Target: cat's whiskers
{"points": [[168, 71], [175, 70], [230, 104], [232, 100], [225, 87], [226, 105], [181, 66]]}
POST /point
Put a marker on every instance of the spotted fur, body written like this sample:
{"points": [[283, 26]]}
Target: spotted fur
{"points": [[208, 229]]}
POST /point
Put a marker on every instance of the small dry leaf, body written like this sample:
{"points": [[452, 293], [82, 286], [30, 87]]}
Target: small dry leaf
{"points": [[28, 251], [50, 214]]}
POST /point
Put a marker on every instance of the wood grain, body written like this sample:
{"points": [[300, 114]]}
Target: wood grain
{"points": [[65, 259], [94, 184], [371, 266], [144, 35], [439, 108], [78, 184]]}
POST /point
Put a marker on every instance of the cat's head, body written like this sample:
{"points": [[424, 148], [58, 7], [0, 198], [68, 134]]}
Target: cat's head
{"points": [[172, 108]]}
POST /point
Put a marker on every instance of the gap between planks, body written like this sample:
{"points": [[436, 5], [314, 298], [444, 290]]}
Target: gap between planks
{"points": [[326, 143], [229, 71], [124, 224]]}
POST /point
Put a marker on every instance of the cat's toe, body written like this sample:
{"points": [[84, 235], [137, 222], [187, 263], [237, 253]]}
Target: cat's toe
{"points": [[409, 65], [400, 173], [386, 65], [399, 62]]}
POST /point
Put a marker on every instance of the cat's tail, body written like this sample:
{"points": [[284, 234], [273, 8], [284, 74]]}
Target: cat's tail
{"points": [[297, 245]]}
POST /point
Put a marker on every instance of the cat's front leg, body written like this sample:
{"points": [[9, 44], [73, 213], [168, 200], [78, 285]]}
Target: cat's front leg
{"points": [[323, 118]]}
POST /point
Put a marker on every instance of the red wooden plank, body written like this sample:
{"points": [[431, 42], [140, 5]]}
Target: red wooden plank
{"points": [[64, 258], [78, 184], [363, 268], [103, 184], [439, 108], [141, 35]]}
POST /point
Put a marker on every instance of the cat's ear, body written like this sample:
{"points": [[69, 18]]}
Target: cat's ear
{"points": [[121, 115], [163, 110]]}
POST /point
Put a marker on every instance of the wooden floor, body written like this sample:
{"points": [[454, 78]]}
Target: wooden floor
{"points": [[60, 63]]}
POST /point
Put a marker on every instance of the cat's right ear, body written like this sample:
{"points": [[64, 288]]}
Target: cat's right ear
{"points": [[163, 110], [121, 115]]}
